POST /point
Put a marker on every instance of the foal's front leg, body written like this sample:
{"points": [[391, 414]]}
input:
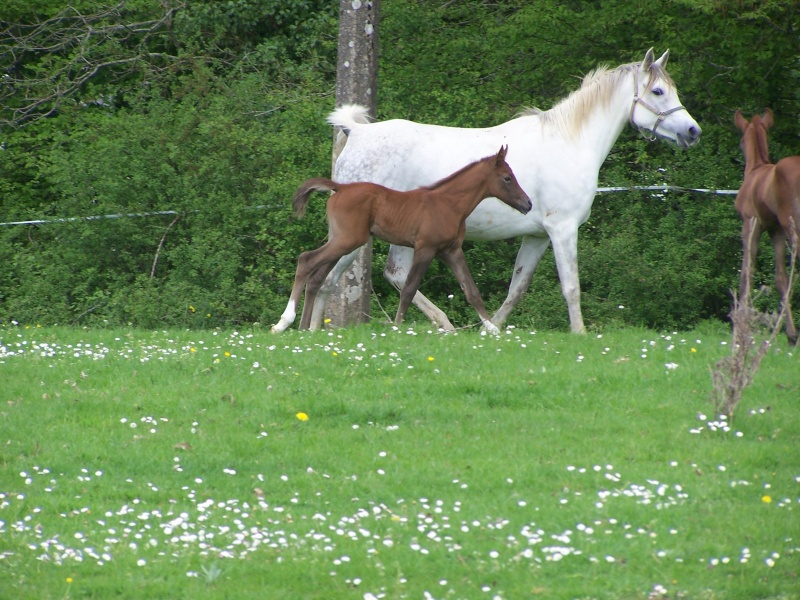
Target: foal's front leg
{"points": [[398, 262], [457, 262]]}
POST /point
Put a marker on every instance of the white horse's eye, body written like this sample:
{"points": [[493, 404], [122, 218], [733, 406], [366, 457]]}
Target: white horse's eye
{"points": [[658, 92]]}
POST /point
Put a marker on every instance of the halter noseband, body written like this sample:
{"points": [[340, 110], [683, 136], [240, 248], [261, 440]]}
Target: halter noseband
{"points": [[661, 114]]}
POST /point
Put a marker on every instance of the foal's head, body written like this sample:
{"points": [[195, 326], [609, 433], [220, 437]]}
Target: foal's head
{"points": [[502, 183], [754, 142]]}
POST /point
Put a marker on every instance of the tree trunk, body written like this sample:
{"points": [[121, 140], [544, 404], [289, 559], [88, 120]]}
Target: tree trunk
{"points": [[356, 83]]}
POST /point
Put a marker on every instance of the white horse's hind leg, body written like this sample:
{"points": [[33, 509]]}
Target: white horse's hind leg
{"points": [[565, 249], [330, 282], [398, 263], [528, 257]]}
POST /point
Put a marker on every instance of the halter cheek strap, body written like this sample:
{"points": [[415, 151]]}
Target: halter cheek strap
{"points": [[660, 114]]}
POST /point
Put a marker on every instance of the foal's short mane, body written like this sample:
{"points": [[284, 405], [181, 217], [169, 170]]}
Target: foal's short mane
{"points": [[449, 178], [597, 88]]}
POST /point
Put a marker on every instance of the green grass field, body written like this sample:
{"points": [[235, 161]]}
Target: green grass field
{"points": [[393, 463]]}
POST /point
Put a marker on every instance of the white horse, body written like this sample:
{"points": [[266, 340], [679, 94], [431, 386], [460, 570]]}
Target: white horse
{"points": [[557, 158]]}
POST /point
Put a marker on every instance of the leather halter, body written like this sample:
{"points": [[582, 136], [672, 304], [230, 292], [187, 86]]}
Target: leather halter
{"points": [[661, 114]]}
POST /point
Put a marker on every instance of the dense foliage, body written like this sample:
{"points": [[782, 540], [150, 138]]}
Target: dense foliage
{"points": [[211, 113]]}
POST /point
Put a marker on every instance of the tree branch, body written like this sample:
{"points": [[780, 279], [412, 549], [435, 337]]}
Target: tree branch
{"points": [[52, 60]]}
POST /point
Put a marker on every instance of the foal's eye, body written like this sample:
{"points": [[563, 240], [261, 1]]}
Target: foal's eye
{"points": [[658, 91], [507, 179]]}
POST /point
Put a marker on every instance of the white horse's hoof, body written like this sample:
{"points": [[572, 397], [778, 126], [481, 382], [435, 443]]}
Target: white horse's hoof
{"points": [[490, 328]]}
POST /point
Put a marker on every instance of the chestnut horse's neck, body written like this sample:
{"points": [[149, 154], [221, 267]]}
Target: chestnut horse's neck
{"points": [[466, 187], [755, 145]]}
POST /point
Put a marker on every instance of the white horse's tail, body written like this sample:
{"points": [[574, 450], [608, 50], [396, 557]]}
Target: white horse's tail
{"points": [[348, 116]]}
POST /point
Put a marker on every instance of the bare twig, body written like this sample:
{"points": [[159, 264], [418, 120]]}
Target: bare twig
{"points": [[161, 245], [735, 372], [52, 60]]}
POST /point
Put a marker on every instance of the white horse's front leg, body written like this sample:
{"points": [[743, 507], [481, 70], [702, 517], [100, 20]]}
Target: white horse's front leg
{"points": [[324, 292], [565, 248], [398, 263], [528, 257]]}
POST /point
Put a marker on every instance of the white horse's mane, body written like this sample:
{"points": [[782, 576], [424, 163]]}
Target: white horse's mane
{"points": [[597, 89]]}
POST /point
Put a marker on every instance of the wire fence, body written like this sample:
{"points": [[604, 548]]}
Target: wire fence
{"points": [[602, 190]]}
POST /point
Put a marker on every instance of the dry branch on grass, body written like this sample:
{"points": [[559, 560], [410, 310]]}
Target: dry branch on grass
{"points": [[735, 372]]}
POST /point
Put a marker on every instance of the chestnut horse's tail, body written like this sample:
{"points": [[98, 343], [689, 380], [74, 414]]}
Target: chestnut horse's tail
{"points": [[318, 184]]}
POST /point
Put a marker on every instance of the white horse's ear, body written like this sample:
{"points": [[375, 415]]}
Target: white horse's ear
{"points": [[662, 62], [648, 60]]}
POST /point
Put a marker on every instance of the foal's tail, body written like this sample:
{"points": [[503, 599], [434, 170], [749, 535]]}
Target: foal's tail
{"points": [[319, 184]]}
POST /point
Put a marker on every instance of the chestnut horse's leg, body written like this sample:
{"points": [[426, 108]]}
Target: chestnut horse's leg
{"points": [[300, 277], [309, 265], [457, 262], [422, 260], [312, 288], [751, 233], [782, 282], [398, 263]]}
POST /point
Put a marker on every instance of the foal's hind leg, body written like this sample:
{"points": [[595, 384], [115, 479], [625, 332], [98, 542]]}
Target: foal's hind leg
{"points": [[309, 264], [751, 233], [315, 282], [302, 273], [782, 283], [457, 262]]}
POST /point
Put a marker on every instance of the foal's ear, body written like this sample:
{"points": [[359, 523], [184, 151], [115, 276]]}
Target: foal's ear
{"points": [[662, 62], [501, 155], [768, 119], [740, 121]]}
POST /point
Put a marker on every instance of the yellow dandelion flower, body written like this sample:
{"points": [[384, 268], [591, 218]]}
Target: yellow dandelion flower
{"points": [[192, 349], [227, 353], [693, 350], [766, 499], [192, 308], [301, 416], [430, 359], [69, 579], [327, 321], [335, 353]]}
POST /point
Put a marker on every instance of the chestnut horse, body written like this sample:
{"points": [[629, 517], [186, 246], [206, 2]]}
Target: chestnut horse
{"points": [[768, 200], [431, 220]]}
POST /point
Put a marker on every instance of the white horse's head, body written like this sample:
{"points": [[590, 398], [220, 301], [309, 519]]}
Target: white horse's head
{"points": [[656, 109]]}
